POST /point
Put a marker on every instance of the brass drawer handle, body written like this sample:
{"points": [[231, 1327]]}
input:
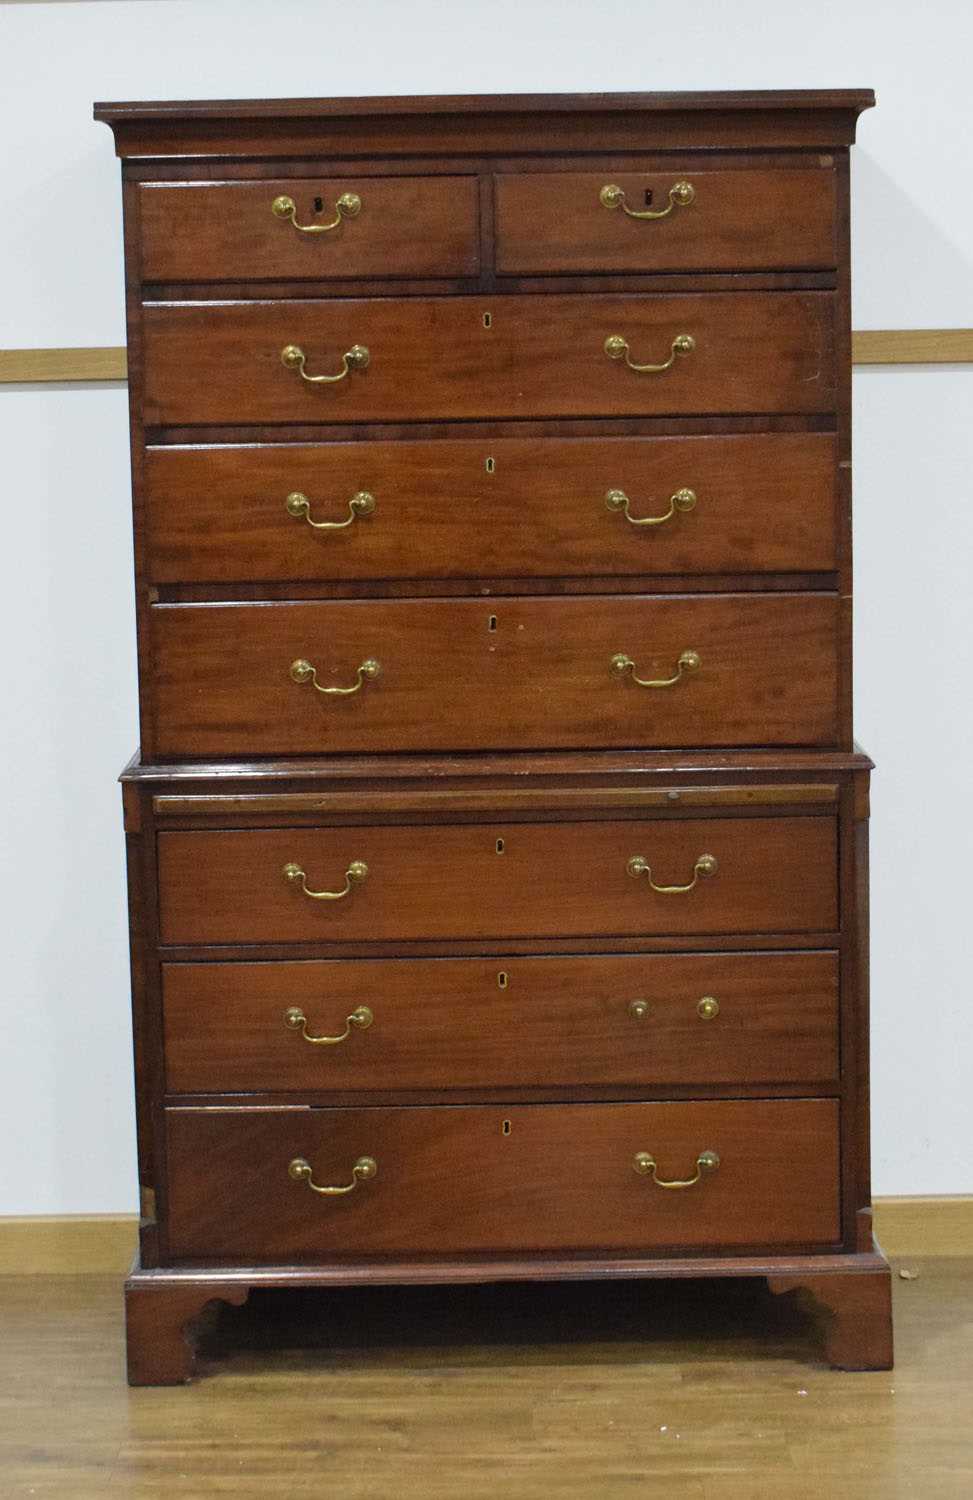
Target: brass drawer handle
{"points": [[707, 1008], [364, 1169], [360, 504], [296, 1020], [645, 1165], [689, 661], [618, 348], [292, 357], [681, 194], [639, 865], [356, 872], [683, 501], [301, 671], [348, 206]]}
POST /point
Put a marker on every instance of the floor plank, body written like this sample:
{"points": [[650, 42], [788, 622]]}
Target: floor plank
{"points": [[705, 1391]]}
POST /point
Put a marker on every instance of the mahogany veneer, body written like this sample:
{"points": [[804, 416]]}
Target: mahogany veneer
{"points": [[449, 1024], [509, 1178], [437, 358], [497, 880], [765, 503], [390, 942], [464, 674], [739, 220], [211, 231]]}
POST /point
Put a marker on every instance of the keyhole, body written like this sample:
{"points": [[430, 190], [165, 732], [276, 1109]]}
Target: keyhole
{"points": [[319, 205], [648, 197], [505, 1128], [490, 464], [501, 846], [488, 320], [492, 622], [503, 979]]}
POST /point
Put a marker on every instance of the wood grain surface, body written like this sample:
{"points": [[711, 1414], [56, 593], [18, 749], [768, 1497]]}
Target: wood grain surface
{"points": [[215, 231], [737, 220], [774, 874], [513, 673], [497, 507], [536, 1390], [548, 1177], [433, 357], [449, 1024]]}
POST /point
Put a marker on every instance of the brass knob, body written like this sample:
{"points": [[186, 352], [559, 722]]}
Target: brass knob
{"points": [[638, 1009], [708, 1008]]}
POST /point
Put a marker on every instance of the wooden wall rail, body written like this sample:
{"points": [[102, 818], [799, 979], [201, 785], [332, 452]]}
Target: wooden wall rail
{"points": [[71, 1245], [872, 346]]}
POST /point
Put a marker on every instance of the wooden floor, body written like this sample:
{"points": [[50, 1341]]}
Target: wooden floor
{"points": [[690, 1391]]}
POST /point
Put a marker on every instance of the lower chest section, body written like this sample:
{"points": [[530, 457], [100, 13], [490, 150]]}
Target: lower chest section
{"points": [[470, 1015]]}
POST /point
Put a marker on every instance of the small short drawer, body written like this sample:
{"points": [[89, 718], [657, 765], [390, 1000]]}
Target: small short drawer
{"points": [[446, 1024], [492, 880], [386, 359], [508, 673], [492, 508], [440, 1180], [685, 218], [309, 228]]}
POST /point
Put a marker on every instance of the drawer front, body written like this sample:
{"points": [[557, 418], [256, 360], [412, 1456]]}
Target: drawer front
{"points": [[224, 231], [734, 220], [650, 1020], [773, 875], [501, 674], [541, 1177], [435, 357], [492, 508]]}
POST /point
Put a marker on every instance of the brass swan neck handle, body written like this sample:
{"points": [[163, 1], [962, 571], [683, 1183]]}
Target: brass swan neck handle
{"points": [[292, 357], [617, 347], [645, 1164], [365, 1168], [356, 872], [705, 866], [348, 206], [295, 1020], [680, 195], [362, 503], [682, 501]]}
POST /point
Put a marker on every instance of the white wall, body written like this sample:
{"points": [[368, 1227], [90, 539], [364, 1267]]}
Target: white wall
{"points": [[67, 625]]}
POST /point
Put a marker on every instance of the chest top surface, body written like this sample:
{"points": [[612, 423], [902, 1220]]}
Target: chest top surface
{"points": [[486, 123]]}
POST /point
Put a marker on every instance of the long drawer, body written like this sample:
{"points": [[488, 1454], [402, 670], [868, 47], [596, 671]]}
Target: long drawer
{"points": [[375, 1024], [498, 507], [686, 218], [379, 226], [508, 673], [482, 357], [738, 875], [434, 1181]]}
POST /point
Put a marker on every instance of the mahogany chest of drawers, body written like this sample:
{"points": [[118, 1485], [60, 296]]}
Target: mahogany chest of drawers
{"points": [[497, 841]]}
